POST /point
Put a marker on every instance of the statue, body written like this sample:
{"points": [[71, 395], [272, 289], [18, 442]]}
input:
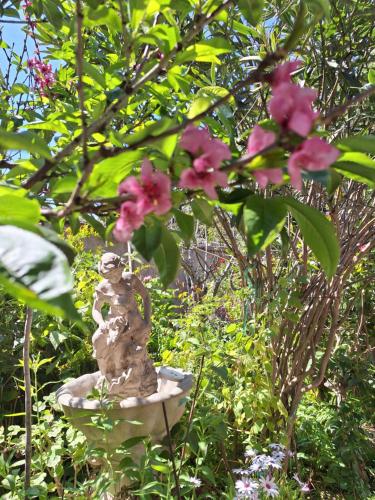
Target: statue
{"points": [[120, 342]]}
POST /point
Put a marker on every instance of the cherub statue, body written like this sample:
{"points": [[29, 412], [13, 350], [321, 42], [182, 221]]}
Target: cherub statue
{"points": [[120, 342]]}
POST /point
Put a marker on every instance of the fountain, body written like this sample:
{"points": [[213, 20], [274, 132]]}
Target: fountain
{"points": [[131, 388]]}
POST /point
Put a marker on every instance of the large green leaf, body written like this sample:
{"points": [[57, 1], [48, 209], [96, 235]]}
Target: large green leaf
{"points": [[357, 166], [25, 141], [185, 223], [35, 271], [318, 232], [147, 238], [263, 221], [361, 143], [167, 257], [108, 173], [203, 211], [18, 208], [251, 10]]}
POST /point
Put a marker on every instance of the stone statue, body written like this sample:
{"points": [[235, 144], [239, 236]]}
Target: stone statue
{"points": [[120, 342]]}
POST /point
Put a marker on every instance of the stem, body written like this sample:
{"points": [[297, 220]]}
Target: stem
{"points": [[28, 405], [171, 452]]}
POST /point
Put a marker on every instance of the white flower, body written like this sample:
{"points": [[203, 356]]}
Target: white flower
{"points": [[194, 481], [250, 453], [269, 487], [246, 486]]}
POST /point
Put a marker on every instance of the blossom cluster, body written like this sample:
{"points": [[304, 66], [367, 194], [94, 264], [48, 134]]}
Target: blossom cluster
{"points": [[257, 477], [291, 107], [44, 76], [152, 193]]}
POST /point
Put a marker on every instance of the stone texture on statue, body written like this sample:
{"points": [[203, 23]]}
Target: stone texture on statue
{"points": [[120, 342]]}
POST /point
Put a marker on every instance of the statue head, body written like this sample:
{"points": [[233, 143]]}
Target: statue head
{"points": [[111, 267]]}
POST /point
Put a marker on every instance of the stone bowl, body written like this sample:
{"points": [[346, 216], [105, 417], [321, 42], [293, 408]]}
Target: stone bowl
{"points": [[173, 387]]}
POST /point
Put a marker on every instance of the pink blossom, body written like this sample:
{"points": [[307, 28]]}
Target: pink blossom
{"points": [[283, 72], [129, 220], [313, 154], [291, 107], [194, 139], [266, 175], [191, 179], [208, 154], [259, 140], [153, 193]]}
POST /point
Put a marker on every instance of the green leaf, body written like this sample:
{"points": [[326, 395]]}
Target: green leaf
{"points": [[35, 271], [96, 224], [371, 76], [361, 143], [198, 106], [205, 51], [108, 173], [53, 13], [203, 211], [263, 220], [185, 223], [251, 10], [53, 126], [147, 238], [94, 73], [25, 141], [56, 338], [137, 12], [167, 257], [318, 232], [17, 208], [319, 8], [357, 166]]}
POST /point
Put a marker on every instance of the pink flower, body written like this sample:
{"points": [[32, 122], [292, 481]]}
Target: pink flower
{"points": [[313, 154], [291, 106], [208, 154], [191, 179], [129, 220], [259, 140], [283, 72], [194, 139], [153, 194], [266, 175]]}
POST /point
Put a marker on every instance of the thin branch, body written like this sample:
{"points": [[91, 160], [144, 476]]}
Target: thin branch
{"points": [[28, 402], [171, 452]]}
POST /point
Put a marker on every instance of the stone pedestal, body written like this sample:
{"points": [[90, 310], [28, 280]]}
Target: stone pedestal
{"points": [[172, 388]]}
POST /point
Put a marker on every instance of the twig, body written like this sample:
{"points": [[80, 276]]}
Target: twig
{"points": [[28, 404], [171, 452], [341, 110], [191, 413]]}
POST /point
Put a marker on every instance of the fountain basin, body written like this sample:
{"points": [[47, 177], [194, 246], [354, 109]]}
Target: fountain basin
{"points": [[173, 387]]}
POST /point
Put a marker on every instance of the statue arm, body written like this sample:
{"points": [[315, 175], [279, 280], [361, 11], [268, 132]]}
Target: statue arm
{"points": [[143, 292], [97, 308]]}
